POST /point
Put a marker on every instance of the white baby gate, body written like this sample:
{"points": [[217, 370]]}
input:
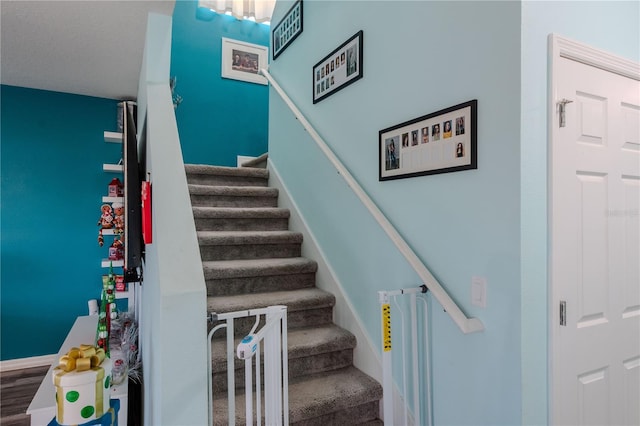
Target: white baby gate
{"points": [[417, 373], [276, 382]]}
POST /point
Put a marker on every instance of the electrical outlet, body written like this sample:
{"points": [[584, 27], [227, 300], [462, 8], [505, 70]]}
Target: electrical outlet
{"points": [[479, 292]]}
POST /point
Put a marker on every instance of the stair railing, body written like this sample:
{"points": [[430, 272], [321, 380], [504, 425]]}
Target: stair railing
{"points": [[466, 325], [273, 337]]}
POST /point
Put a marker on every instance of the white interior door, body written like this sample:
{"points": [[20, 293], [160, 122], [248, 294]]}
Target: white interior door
{"points": [[595, 240]]}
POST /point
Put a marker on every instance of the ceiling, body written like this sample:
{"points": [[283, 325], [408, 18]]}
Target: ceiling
{"points": [[88, 47]]}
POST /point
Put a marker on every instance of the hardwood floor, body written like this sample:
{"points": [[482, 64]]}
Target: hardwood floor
{"points": [[17, 388]]}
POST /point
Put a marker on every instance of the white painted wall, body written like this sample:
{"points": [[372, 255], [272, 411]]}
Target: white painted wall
{"points": [[173, 318]]}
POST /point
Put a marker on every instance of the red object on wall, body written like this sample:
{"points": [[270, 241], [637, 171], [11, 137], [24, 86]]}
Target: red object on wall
{"points": [[146, 212]]}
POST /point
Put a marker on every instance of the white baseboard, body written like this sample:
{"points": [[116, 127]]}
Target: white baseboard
{"points": [[20, 363], [241, 159]]}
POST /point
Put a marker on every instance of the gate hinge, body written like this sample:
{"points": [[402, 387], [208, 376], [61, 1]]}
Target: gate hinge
{"points": [[562, 110]]}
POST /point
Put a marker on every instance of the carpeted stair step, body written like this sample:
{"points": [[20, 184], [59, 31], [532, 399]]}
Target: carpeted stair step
{"points": [[233, 196], [199, 174], [340, 397], [246, 219], [250, 276], [376, 422], [335, 398], [306, 307], [310, 349], [230, 245]]}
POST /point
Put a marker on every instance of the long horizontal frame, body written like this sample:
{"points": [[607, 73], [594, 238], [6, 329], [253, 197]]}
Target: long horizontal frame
{"points": [[441, 142], [338, 69]]}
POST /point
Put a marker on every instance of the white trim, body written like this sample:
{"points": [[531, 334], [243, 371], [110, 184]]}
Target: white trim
{"points": [[562, 47], [241, 159], [31, 362]]}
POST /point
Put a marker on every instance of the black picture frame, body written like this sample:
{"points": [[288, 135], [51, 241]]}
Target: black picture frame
{"points": [[287, 30], [444, 141], [338, 69]]}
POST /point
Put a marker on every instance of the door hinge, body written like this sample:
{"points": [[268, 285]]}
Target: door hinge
{"points": [[563, 313], [562, 110]]}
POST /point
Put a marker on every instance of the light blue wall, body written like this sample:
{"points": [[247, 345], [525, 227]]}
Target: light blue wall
{"points": [[608, 25], [419, 57], [219, 118], [52, 183]]}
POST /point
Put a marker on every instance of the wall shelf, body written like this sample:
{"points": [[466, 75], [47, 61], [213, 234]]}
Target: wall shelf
{"points": [[118, 168], [112, 199], [124, 294], [113, 168], [116, 263], [113, 137]]}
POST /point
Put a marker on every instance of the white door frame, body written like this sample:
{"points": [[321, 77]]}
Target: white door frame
{"points": [[561, 47]]}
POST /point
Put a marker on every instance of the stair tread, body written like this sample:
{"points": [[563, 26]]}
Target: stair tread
{"points": [[240, 212], [258, 267], [226, 171], [233, 191], [295, 300], [248, 237], [312, 396], [304, 341], [323, 393]]}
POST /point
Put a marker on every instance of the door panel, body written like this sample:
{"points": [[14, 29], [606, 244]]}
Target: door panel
{"points": [[593, 394], [595, 247]]}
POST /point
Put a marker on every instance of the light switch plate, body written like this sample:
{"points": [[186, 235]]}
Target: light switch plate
{"points": [[479, 292]]}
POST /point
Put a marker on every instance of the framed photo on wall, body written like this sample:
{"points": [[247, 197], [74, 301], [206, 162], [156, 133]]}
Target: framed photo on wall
{"points": [[441, 142], [338, 69], [287, 30], [243, 61]]}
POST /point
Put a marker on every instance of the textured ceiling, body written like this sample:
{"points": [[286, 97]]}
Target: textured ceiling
{"points": [[88, 47]]}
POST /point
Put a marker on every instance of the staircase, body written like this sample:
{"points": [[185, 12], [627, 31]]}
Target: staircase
{"points": [[251, 260]]}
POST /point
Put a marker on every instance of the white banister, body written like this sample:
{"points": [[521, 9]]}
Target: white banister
{"points": [[466, 325]]}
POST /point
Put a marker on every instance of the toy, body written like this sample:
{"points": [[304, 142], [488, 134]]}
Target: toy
{"points": [[115, 188], [118, 220], [105, 221], [116, 251]]}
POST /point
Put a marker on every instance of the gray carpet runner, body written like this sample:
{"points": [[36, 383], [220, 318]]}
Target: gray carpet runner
{"points": [[252, 260]]}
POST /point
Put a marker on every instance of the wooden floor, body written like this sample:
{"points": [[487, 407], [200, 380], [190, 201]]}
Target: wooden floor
{"points": [[17, 388]]}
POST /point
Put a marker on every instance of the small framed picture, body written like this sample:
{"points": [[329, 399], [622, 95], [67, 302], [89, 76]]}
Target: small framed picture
{"points": [[441, 142], [243, 61], [343, 66], [290, 27]]}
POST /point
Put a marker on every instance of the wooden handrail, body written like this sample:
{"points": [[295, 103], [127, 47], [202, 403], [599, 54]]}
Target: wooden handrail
{"points": [[466, 325]]}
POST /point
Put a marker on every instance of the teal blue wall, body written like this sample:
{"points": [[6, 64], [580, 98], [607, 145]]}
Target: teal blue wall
{"points": [[52, 182], [419, 57], [219, 118], [613, 26]]}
